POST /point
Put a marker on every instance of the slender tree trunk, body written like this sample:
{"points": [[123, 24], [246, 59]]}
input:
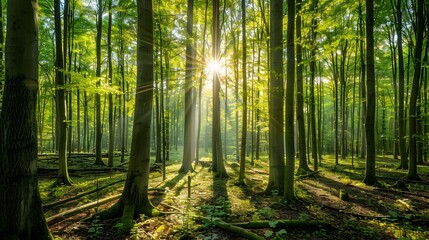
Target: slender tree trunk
{"points": [[98, 126], [412, 170], [187, 145], [314, 145], [303, 166], [1, 56], [363, 110], [289, 191], [110, 66], [370, 178], [63, 175], [244, 69], [401, 89], [21, 214]]}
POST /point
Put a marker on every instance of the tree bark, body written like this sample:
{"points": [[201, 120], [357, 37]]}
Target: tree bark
{"points": [[276, 102], [63, 175], [370, 178], [244, 117], [412, 170], [289, 191], [21, 214], [110, 69], [188, 147], [98, 126], [218, 164]]}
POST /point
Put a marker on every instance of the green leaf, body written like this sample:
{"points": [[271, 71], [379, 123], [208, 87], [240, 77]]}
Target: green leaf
{"points": [[268, 233], [273, 224]]}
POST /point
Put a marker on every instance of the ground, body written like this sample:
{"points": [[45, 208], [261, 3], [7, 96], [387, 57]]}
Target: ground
{"points": [[366, 212]]}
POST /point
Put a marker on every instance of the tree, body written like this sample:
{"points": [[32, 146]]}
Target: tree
{"points": [[21, 214], [303, 166], [412, 170], [61, 119], [244, 123], [110, 69], [370, 178], [314, 145], [276, 93], [98, 160], [289, 192], [135, 199], [218, 164], [363, 108], [188, 147]]}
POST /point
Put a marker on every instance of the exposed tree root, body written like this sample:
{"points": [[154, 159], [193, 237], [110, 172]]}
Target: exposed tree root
{"points": [[54, 204], [284, 224], [310, 174]]}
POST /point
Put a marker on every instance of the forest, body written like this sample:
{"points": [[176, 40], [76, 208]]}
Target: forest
{"points": [[220, 119]]}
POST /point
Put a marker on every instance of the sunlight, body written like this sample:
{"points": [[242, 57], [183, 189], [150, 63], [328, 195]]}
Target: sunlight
{"points": [[214, 67]]}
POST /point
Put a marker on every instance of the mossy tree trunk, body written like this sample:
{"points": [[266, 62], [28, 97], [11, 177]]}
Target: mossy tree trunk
{"points": [[21, 215]]}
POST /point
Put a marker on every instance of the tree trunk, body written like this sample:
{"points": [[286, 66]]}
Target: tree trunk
{"points": [[289, 191], [314, 145], [401, 74], [370, 178], [412, 170], [302, 148], [244, 123], [276, 102], [98, 126], [218, 164], [134, 199], [362, 86], [187, 145], [63, 175], [110, 66], [21, 214]]}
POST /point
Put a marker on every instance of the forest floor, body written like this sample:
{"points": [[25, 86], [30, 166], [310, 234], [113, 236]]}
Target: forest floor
{"points": [[381, 212]]}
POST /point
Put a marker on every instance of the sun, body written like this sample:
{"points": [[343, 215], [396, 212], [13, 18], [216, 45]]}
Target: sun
{"points": [[214, 67]]}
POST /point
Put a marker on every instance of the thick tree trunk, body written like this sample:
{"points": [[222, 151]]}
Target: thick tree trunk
{"points": [[21, 215], [276, 102], [363, 109], [218, 164], [134, 199]]}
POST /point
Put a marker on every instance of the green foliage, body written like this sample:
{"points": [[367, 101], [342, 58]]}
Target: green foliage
{"points": [[96, 229]]}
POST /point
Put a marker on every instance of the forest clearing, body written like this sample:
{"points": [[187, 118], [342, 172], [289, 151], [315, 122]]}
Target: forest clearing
{"points": [[381, 212]]}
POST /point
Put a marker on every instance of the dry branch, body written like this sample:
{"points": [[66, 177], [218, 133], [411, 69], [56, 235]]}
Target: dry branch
{"points": [[68, 213], [296, 223], [54, 204]]}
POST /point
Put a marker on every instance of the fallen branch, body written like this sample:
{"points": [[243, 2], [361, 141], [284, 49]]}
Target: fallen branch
{"points": [[404, 192], [71, 212], [284, 224], [54, 204], [238, 230]]}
